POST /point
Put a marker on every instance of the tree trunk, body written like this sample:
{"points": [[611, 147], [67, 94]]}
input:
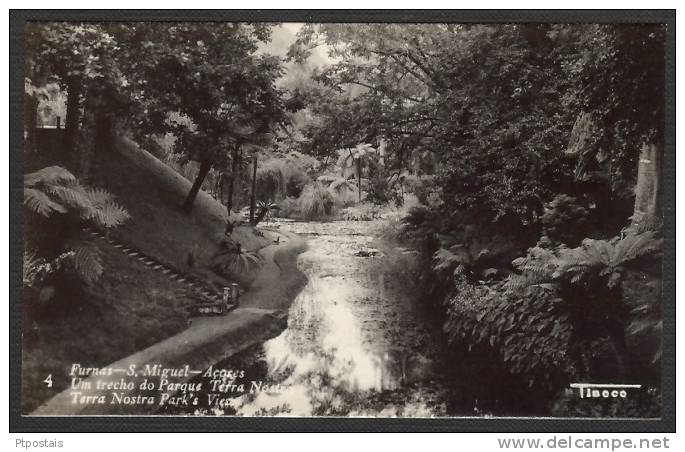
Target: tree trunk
{"points": [[219, 187], [205, 166], [648, 187], [359, 179], [30, 122], [253, 199], [234, 169], [94, 136], [72, 120]]}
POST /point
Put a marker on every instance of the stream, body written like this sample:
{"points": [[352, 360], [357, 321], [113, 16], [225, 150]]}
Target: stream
{"points": [[356, 343]]}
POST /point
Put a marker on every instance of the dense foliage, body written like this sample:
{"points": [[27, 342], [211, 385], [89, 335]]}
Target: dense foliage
{"points": [[533, 150], [514, 137]]}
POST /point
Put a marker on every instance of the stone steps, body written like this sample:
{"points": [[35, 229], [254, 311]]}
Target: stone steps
{"points": [[192, 284]]}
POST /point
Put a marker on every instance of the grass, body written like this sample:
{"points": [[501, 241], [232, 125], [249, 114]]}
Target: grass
{"points": [[131, 306], [153, 192], [315, 202]]}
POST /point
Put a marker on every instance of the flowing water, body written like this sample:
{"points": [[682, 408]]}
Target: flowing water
{"points": [[356, 343]]}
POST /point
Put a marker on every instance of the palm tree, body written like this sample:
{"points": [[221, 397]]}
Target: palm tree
{"points": [[352, 160]]}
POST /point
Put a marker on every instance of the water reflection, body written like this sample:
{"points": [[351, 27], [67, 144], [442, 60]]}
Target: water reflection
{"points": [[322, 348], [351, 346]]}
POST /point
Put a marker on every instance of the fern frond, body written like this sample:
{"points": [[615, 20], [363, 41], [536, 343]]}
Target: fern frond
{"points": [[341, 185], [99, 196], [635, 246], [597, 251], [109, 214], [87, 259], [51, 175], [73, 196], [39, 202], [345, 159]]}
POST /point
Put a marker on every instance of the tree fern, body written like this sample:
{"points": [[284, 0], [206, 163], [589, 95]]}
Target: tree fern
{"points": [[99, 196], [87, 259], [343, 190], [347, 157], [40, 203], [51, 175], [603, 259], [55, 191], [636, 246], [537, 267], [471, 255], [340, 184], [72, 196], [108, 214], [606, 259]]}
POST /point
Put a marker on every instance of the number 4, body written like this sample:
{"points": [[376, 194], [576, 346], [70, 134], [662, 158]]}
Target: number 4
{"points": [[48, 381]]}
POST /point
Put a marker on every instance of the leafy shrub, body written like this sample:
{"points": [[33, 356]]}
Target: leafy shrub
{"points": [[278, 178], [647, 223], [590, 279], [564, 219], [288, 207], [378, 190], [644, 331], [315, 202], [361, 212], [235, 263], [473, 256], [271, 179], [391, 229], [421, 186], [419, 229], [596, 263], [344, 191], [420, 223], [295, 183], [530, 331], [564, 316]]}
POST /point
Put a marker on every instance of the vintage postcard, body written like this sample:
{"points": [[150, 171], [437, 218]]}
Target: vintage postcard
{"points": [[437, 219]]}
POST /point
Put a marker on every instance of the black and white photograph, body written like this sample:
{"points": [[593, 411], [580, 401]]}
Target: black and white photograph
{"points": [[351, 219]]}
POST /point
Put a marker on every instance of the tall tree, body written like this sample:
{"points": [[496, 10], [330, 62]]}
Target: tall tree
{"points": [[206, 83], [483, 98], [82, 58], [621, 79]]}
